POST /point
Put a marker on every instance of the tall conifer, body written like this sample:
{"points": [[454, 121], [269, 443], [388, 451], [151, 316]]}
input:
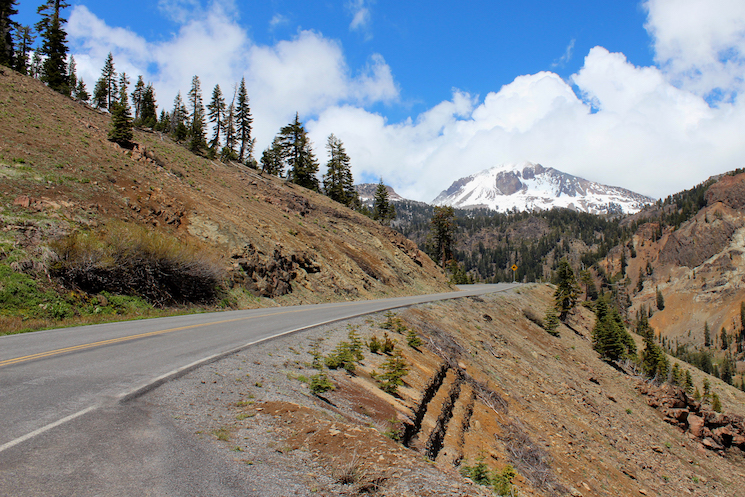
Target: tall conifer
{"points": [[244, 121], [196, 130], [24, 39], [54, 46], [7, 27], [338, 183], [297, 153], [216, 113]]}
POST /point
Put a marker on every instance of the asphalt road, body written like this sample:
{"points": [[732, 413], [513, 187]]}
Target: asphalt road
{"points": [[64, 396]]}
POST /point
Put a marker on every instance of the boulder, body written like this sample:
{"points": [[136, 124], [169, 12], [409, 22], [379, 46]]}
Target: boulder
{"points": [[695, 425]]}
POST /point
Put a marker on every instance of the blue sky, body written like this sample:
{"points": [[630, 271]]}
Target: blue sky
{"points": [[643, 95]]}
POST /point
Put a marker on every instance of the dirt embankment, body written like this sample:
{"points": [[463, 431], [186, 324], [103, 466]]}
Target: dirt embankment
{"points": [[276, 240], [487, 385]]}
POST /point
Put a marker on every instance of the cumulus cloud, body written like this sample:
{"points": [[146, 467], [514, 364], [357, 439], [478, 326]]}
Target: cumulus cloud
{"points": [[305, 74], [701, 45], [629, 127], [655, 130]]}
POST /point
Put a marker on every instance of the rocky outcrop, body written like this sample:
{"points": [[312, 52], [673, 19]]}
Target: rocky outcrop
{"points": [[729, 190], [508, 182], [714, 430], [269, 276], [698, 240]]}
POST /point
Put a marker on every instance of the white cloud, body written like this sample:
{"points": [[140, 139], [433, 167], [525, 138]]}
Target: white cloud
{"points": [[649, 129], [567, 55], [361, 16], [643, 133], [278, 20], [180, 10], [305, 74], [700, 45]]}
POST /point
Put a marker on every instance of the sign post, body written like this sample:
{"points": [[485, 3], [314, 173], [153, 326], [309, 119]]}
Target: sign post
{"points": [[514, 272]]}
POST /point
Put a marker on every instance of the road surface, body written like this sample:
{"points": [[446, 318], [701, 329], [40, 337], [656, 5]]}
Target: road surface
{"points": [[67, 391]]}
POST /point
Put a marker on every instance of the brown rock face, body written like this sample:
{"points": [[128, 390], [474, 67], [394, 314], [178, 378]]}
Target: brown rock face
{"points": [[730, 190], [698, 240], [508, 182]]}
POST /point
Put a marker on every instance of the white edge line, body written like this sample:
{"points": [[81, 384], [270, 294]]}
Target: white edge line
{"points": [[41, 430], [177, 373]]}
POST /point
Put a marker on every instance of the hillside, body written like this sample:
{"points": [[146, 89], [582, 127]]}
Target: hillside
{"points": [[690, 249], [486, 385], [276, 242]]}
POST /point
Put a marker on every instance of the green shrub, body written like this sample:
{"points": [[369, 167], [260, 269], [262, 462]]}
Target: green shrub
{"points": [[412, 338], [388, 344], [374, 345], [355, 343], [551, 321], [342, 357], [18, 290], [320, 383], [394, 369], [500, 481], [478, 473]]}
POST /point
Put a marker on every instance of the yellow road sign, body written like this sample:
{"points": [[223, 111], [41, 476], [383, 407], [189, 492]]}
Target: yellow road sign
{"points": [[514, 267]]}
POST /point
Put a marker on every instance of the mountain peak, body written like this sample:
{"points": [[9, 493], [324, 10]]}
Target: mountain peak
{"points": [[529, 186]]}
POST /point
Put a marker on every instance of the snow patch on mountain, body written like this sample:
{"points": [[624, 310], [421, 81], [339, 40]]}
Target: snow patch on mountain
{"points": [[527, 187]]}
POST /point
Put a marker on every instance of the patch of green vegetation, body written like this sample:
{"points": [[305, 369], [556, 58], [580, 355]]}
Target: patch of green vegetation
{"points": [[222, 434], [500, 481]]}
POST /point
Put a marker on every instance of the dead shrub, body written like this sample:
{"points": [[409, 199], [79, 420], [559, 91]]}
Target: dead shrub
{"points": [[531, 461], [132, 260], [354, 473], [535, 318]]}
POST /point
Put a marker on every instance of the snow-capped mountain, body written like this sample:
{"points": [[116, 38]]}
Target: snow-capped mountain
{"points": [[366, 191], [529, 186]]}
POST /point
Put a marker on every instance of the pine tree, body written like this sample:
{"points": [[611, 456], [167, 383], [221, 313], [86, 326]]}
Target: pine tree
{"points": [[7, 53], [24, 40], [566, 294], [228, 152], [54, 46], [297, 153], [178, 119], [138, 96], [654, 361], [35, 68], [707, 335], [81, 92], [660, 300], [106, 87], [149, 110], [243, 124], [164, 122], [72, 75], [609, 336], [383, 209], [442, 233], [121, 117], [197, 139], [725, 338], [216, 111], [272, 161], [688, 385], [338, 183]]}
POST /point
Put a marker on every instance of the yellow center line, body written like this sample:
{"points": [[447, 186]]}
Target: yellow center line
{"points": [[76, 348]]}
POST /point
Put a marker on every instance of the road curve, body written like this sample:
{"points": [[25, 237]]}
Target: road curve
{"points": [[49, 378]]}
